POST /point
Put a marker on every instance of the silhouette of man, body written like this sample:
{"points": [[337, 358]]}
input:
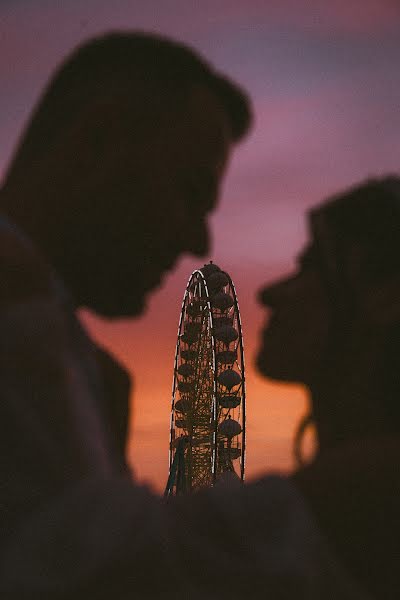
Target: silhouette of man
{"points": [[335, 326], [112, 181], [116, 174]]}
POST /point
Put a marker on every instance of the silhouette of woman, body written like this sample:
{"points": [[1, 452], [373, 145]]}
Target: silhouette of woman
{"points": [[335, 326]]}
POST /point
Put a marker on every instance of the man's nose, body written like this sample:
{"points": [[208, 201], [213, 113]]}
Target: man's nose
{"points": [[198, 242]]}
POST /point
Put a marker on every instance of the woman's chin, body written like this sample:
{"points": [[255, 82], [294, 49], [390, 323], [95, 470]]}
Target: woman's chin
{"points": [[277, 368]]}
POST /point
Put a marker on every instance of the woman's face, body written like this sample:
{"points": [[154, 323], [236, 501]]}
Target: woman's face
{"points": [[296, 334]]}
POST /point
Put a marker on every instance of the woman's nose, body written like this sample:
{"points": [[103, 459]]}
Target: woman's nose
{"points": [[264, 295], [271, 294]]}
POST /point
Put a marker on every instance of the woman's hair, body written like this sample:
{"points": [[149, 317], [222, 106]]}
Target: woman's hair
{"points": [[356, 235], [356, 242]]}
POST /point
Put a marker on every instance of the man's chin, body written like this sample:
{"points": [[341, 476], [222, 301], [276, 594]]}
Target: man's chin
{"points": [[114, 310], [127, 303]]}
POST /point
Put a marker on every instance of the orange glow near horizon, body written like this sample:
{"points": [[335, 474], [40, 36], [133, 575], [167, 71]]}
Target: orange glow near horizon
{"points": [[147, 348]]}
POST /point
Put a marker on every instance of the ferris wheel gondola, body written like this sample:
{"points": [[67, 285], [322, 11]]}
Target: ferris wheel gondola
{"points": [[207, 434]]}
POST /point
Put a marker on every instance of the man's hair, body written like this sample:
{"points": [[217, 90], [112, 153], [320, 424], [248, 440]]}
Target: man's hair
{"points": [[124, 61]]}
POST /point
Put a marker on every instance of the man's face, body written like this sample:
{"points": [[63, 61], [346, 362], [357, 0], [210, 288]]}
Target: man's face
{"points": [[171, 188], [295, 337]]}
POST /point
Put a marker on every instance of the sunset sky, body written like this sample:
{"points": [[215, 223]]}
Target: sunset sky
{"points": [[324, 78]]}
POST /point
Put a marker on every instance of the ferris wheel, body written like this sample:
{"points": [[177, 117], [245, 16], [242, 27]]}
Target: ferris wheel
{"points": [[208, 428]]}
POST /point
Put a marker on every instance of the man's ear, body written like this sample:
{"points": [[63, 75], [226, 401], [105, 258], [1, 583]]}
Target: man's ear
{"points": [[94, 134]]}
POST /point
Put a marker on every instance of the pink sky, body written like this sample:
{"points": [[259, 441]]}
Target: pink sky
{"points": [[326, 92]]}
